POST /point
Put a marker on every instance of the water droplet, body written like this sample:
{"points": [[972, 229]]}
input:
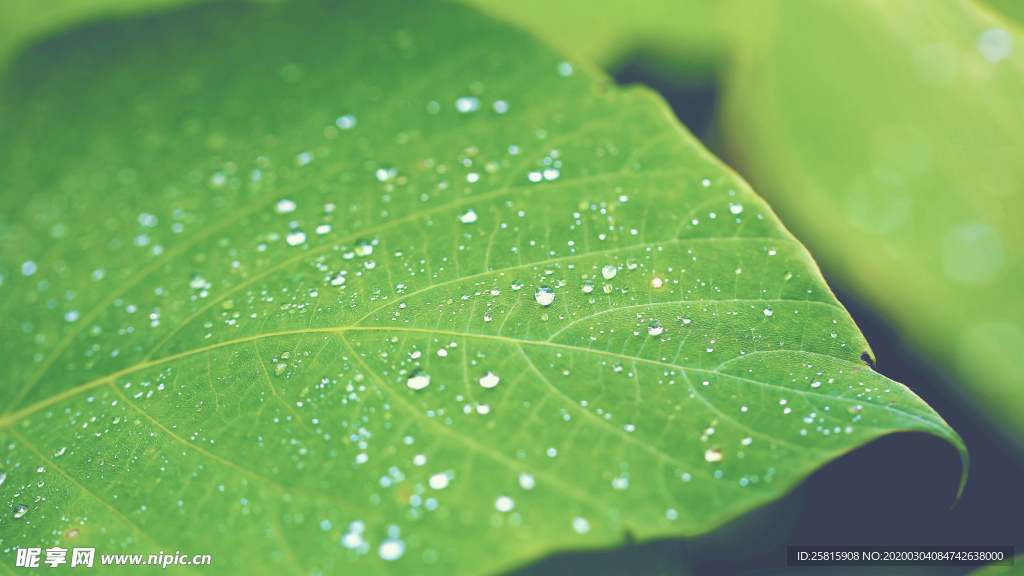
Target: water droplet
{"points": [[713, 455], [467, 104], [565, 69], [580, 525], [855, 409], [490, 380], [418, 380], [735, 208], [338, 280], [655, 329], [391, 549], [656, 283], [469, 217], [285, 206], [345, 122], [816, 384], [768, 311], [295, 238], [588, 286], [609, 272], [363, 248], [500, 106], [527, 481], [20, 511], [545, 295], [438, 481], [517, 285], [504, 504]]}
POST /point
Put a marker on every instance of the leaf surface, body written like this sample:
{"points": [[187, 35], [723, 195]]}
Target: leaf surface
{"points": [[394, 290]]}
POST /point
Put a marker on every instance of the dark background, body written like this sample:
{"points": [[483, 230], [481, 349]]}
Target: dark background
{"points": [[897, 490]]}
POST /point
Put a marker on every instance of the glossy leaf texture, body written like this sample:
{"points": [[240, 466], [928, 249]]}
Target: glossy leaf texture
{"points": [[392, 289]]}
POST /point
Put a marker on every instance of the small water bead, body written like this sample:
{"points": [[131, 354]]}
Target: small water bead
{"points": [[500, 106], [489, 380], [581, 525], [747, 441], [565, 69], [588, 286], [472, 178], [338, 280], [816, 384], [20, 511], [735, 208], [504, 504], [439, 481], [657, 283], [363, 248], [295, 238], [469, 217], [631, 264], [391, 549], [323, 229], [442, 352], [419, 460], [768, 311], [545, 295], [527, 481], [285, 206], [609, 272], [467, 104], [713, 455], [655, 329], [418, 380], [345, 122], [517, 285]]}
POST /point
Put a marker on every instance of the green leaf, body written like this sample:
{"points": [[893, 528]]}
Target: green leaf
{"points": [[309, 287], [1000, 570], [890, 136], [894, 146]]}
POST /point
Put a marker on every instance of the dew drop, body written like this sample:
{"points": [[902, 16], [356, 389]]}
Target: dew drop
{"points": [[504, 504], [545, 295], [768, 311], [657, 283], [295, 238], [609, 272], [418, 380], [438, 481], [469, 217], [527, 481], [489, 380], [588, 286], [713, 455], [363, 248], [581, 525], [655, 329], [735, 208], [20, 511], [391, 549], [285, 206]]}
